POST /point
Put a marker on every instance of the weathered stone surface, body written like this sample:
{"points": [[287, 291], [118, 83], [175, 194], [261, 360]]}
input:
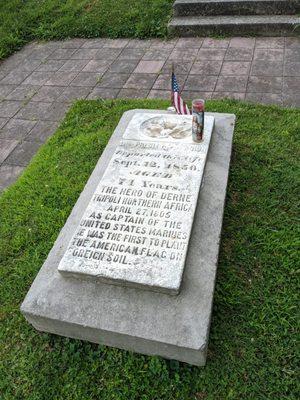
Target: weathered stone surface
{"points": [[133, 93], [235, 7], [41, 131], [22, 153], [175, 327], [206, 67], [200, 82], [244, 25], [103, 93], [5, 90], [6, 146], [8, 174], [231, 83], [159, 94], [22, 92], [163, 82], [136, 228], [16, 129], [123, 66], [149, 67], [112, 81], [8, 108], [235, 68], [140, 81]]}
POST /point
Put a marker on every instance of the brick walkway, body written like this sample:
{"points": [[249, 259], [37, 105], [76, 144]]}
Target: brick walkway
{"points": [[38, 84]]}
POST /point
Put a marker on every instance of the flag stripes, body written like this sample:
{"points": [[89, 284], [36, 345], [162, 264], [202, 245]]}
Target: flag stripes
{"points": [[179, 104]]}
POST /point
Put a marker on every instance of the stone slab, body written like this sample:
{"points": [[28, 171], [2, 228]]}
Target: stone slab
{"points": [[235, 7], [241, 25], [175, 327], [136, 228]]}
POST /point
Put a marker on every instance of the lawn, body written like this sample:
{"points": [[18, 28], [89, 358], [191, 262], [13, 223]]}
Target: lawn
{"points": [[25, 20], [252, 348]]}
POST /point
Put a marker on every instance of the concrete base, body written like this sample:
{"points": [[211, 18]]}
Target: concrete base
{"points": [[245, 25], [175, 327], [183, 8], [235, 17]]}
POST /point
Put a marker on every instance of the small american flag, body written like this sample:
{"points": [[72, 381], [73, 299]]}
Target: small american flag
{"points": [[179, 104]]}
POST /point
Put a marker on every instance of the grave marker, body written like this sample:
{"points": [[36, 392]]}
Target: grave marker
{"points": [[136, 228], [143, 321]]}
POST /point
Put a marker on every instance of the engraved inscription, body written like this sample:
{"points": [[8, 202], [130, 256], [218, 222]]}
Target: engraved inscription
{"points": [[136, 228]]}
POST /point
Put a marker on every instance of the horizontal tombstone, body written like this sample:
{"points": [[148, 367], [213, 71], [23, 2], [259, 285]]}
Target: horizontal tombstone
{"points": [[135, 264]]}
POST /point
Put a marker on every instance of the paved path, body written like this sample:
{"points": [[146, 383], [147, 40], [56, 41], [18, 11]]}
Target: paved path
{"points": [[38, 84]]}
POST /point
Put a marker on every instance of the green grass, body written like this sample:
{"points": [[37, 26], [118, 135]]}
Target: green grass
{"points": [[25, 20], [252, 348]]}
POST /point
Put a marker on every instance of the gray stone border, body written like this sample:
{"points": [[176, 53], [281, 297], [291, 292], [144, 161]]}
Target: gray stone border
{"points": [[175, 327]]}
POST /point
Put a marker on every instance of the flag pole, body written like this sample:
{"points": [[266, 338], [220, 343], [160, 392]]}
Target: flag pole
{"points": [[172, 73]]}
